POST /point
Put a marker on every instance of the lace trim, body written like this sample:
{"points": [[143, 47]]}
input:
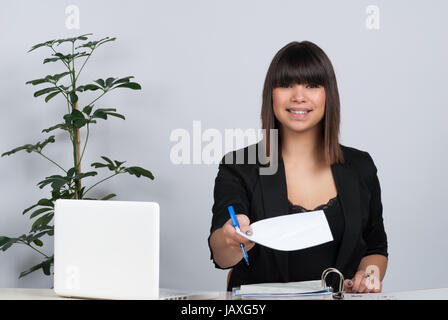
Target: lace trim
{"points": [[299, 208]]}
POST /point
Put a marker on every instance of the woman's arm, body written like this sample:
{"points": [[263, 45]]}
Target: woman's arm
{"points": [[225, 242], [369, 276], [374, 264], [372, 267]]}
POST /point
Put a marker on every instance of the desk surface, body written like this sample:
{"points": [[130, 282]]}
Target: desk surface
{"points": [[427, 294]]}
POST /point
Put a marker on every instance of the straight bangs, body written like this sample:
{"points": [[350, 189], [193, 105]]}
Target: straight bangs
{"points": [[299, 66]]}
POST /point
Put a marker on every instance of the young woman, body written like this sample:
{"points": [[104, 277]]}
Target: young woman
{"points": [[315, 172]]}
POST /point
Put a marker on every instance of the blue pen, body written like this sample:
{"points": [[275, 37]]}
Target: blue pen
{"points": [[237, 228]]}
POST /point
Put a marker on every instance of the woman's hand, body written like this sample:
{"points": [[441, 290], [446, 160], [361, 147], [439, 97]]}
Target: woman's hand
{"points": [[232, 238], [363, 282]]}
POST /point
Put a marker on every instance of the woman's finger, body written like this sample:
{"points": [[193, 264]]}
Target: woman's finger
{"points": [[348, 284], [373, 283], [363, 285], [357, 279], [233, 239]]}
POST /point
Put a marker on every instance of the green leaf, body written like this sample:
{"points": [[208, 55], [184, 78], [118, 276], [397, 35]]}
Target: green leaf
{"points": [[67, 58], [108, 160], [46, 229], [30, 148], [73, 97], [42, 221], [131, 85], [42, 144], [87, 87], [56, 182], [71, 172], [51, 59], [46, 43], [83, 175], [4, 240], [99, 114], [39, 211], [95, 44], [38, 242], [138, 171], [118, 163], [104, 112], [123, 80], [28, 209], [7, 246], [32, 269], [76, 118], [45, 266], [37, 81], [100, 165], [113, 114], [100, 82], [49, 78], [109, 196], [44, 91], [51, 95], [58, 76], [61, 126], [45, 202], [73, 39], [87, 110], [109, 82]]}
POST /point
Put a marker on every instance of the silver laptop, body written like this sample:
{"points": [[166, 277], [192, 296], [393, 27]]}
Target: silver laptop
{"points": [[109, 250]]}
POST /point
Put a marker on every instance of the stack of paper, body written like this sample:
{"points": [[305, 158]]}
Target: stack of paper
{"points": [[303, 289]]}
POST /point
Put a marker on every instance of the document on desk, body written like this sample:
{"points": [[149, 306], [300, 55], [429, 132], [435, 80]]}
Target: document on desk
{"points": [[304, 289], [291, 232]]}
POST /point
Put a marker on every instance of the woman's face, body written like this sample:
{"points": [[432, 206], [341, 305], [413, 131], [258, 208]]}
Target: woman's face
{"points": [[291, 100]]}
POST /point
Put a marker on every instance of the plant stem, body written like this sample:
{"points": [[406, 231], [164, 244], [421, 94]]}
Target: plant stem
{"points": [[101, 181], [51, 161], [85, 143], [99, 97], [76, 138], [76, 156], [68, 66], [35, 249], [85, 61]]}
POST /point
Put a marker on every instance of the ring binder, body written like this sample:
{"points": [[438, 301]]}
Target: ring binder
{"points": [[340, 293], [313, 289]]}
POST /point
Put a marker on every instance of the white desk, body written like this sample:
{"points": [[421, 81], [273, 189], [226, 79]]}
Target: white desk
{"points": [[428, 294]]}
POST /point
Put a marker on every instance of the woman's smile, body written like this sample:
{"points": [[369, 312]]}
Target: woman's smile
{"points": [[299, 113]]}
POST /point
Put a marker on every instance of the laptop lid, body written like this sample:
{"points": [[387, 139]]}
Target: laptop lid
{"points": [[106, 249]]}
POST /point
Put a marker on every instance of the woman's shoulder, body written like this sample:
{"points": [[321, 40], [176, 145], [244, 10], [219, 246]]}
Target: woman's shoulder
{"points": [[246, 157], [246, 161], [361, 159]]}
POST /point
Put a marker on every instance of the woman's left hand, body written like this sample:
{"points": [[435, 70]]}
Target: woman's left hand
{"points": [[363, 282]]}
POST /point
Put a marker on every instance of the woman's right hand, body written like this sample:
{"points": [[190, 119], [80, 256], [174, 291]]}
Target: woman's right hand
{"points": [[232, 238]]}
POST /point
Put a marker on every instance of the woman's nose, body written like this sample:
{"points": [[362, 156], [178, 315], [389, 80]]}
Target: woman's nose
{"points": [[298, 93]]}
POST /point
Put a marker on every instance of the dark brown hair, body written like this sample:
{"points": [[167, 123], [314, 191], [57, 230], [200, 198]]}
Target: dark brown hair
{"points": [[304, 63]]}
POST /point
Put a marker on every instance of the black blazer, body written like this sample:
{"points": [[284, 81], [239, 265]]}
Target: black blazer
{"points": [[265, 196]]}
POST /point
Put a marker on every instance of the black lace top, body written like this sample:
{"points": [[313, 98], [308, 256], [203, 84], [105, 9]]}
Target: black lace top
{"points": [[309, 263]]}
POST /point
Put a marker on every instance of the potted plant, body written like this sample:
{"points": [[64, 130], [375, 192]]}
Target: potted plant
{"points": [[68, 183]]}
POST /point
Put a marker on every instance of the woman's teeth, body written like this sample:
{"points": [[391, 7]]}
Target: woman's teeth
{"points": [[298, 112]]}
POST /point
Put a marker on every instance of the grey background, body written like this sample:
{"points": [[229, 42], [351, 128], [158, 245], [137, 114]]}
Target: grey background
{"points": [[206, 61]]}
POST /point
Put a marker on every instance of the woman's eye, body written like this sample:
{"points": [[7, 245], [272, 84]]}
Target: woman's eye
{"points": [[314, 85], [285, 85]]}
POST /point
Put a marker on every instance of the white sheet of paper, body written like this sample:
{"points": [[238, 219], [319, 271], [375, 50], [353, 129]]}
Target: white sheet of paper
{"points": [[291, 232], [282, 287]]}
